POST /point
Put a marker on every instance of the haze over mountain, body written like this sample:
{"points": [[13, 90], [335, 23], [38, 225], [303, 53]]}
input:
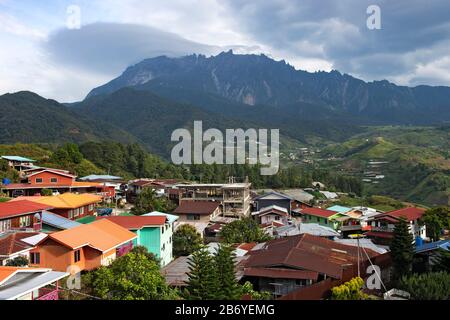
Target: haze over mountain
{"points": [[253, 80]]}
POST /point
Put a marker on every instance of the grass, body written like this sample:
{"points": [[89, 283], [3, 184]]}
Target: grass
{"points": [[4, 199]]}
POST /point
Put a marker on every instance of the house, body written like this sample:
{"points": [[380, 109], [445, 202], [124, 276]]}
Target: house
{"points": [[52, 222], [271, 214], [234, 198], [59, 181], [85, 247], [176, 272], [382, 225], [17, 244], [314, 229], [355, 220], [426, 254], [19, 163], [273, 198], [323, 217], [197, 211], [113, 187], [340, 209], [21, 215], [300, 198], [68, 205], [29, 283], [288, 264], [153, 232]]}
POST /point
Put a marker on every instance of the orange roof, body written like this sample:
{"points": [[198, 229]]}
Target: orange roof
{"points": [[64, 201], [86, 184], [102, 235]]}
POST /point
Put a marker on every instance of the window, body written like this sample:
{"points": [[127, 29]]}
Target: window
{"points": [[76, 212], [277, 218], [5, 225], [81, 210], [70, 215], [35, 258], [24, 221], [38, 180], [193, 217], [91, 207], [77, 256], [54, 180]]}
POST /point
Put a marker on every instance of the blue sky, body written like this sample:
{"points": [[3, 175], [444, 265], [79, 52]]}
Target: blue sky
{"points": [[39, 53]]}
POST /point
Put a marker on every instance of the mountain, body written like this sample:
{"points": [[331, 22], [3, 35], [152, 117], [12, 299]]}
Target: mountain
{"points": [[254, 80], [27, 117]]}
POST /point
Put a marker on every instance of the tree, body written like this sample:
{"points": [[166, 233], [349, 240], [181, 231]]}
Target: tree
{"points": [[225, 262], [203, 278], [436, 220], [247, 289], [143, 250], [427, 286], [402, 249], [131, 277], [147, 201], [186, 240], [46, 192], [442, 261], [19, 261], [243, 230], [351, 290]]}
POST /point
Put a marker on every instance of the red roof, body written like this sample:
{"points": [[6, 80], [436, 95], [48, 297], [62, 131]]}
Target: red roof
{"points": [[409, 213], [280, 273], [20, 207], [380, 234], [305, 252], [11, 243], [197, 207], [324, 213], [136, 222]]}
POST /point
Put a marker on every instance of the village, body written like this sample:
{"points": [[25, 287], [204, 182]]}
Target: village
{"points": [[56, 226]]}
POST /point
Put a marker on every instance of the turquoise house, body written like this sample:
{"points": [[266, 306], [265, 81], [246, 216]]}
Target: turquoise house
{"points": [[154, 231]]}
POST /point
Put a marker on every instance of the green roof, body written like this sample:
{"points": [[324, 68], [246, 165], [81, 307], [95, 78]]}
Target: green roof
{"points": [[126, 214], [86, 220]]}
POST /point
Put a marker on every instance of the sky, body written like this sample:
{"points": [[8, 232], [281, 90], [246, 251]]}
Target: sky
{"points": [[61, 49]]}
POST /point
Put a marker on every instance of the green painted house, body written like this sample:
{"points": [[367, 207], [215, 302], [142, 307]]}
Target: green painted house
{"points": [[323, 217], [154, 232]]}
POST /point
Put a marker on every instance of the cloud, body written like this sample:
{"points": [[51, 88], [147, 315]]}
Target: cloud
{"points": [[109, 48], [335, 33]]}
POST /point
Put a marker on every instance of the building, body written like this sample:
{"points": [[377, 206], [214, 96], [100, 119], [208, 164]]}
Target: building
{"points": [[29, 283], [197, 211], [68, 205], [234, 198], [153, 232], [19, 163], [340, 209], [271, 214], [382, 225], [309, 228], [273, 198], [52, 222], [17, 244], [288, 264], [21, 215], [323, 217], [85, 247], [59, 181]]}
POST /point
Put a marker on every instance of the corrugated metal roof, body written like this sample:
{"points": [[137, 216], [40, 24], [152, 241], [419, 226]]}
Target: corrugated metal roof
{"points": [[17, 158], [170, 217], [36, 279], [58, 221], [100, 177]]}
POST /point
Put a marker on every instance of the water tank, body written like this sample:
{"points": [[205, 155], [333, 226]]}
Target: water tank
{"points": [[6, 181]]}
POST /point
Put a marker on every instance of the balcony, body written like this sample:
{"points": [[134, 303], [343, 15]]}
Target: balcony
{"points": [[48, 294], [351, 227]]}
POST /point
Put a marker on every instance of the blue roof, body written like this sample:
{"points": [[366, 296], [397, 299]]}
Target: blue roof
{"points": [[17, 158], [58, 221], [100, 177], [171, 217], [441, 244], [339, 209]]}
